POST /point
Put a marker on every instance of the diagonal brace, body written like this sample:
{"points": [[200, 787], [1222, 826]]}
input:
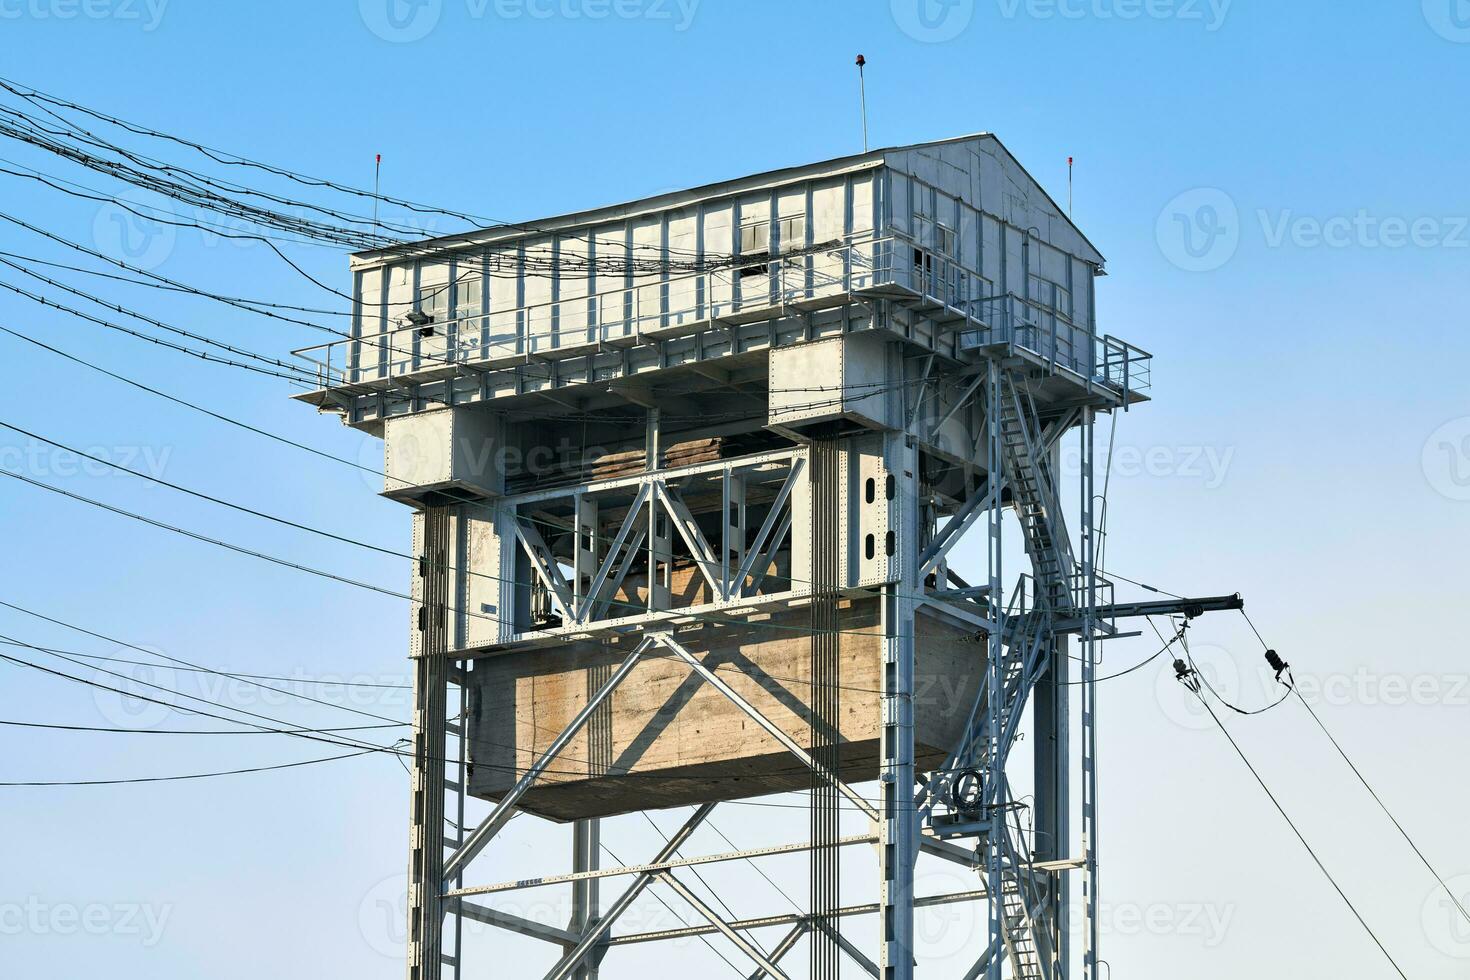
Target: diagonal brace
{"points": [[498, 817], [758, 546], [604, 925], [741, 942], [613, 553], [544, 562], [515, 923], [787, 943], [775, 731], [699, 546], [979, 502], [847, 947]]}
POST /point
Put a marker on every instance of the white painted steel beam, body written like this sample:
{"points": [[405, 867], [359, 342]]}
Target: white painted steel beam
{"points": [[787, 943], [978, 503], [741, 942], [845, 944], [515, 923], [699, 547], [600, 929], [762, 536], [614, 554], [688, 862], [544, 564], [784, 919]]}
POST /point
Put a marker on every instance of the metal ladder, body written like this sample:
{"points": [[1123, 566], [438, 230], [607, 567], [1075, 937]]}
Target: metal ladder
{"points": [[1028, 474], [1019, 892], [1021, 655], [1025, 957]]}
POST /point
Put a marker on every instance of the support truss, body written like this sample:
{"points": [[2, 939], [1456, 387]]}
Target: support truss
{"points": [[581, 545]]}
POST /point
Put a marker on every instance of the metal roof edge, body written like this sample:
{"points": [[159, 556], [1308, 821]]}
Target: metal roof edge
{"points": [[850, 163]]}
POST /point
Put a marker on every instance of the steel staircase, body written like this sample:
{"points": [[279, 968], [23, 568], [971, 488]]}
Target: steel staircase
{"points": [[1025, 958], [1022, 890], [1027, 471], [1029, 619], [1023, 648]]}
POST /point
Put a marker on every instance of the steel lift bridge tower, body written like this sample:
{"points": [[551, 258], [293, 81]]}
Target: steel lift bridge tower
{"points": [[686, 474]]}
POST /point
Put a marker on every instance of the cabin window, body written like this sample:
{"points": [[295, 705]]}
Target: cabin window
{"points": [[755, 244], [467, 295], [755, 238], [944, 240], [793, 232]]}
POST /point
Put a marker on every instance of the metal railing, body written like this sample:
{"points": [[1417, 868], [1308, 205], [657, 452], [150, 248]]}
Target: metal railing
{"points": [[622, 316], [630, 315]]}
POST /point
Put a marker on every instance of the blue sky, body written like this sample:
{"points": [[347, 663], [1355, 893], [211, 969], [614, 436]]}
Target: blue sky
{"points": [[1279, 190]]}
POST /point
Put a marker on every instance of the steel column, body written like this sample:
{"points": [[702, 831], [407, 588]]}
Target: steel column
{"points": [[426, 869], [1051, 749], [995, 671], [1088, 645], [586, 843], [898, 828]]}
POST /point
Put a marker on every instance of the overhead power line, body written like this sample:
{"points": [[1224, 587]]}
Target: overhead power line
{"points": [[99, 729], [344, 579], [185, 776], [278, 678], [1293, 689], [322, 735], [32, 94], [1292, 824]]}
